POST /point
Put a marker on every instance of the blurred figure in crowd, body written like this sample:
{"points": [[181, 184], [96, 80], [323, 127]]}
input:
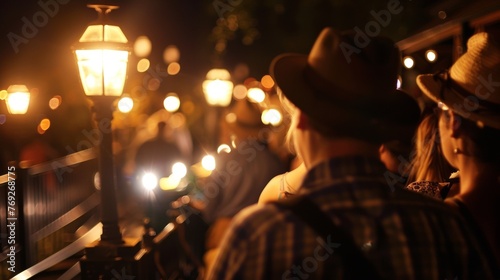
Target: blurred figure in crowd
{"points": [[241, 174], [158, 154]]}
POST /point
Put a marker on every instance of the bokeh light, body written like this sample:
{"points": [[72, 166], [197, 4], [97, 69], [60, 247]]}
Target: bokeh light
{"points": [[241, 71], [169, 183], [97, 181], [188, 107], [142, 46], [272, 117], [408, 62], [171, 103], [179, 170], [143, 65], [45, 124], [125, 104], [267, 82], [173, 68], [3, 94], [431, 55], [55, 102], [171, 54], [240, 92], [177, 120], [224, 148], [399, 82], [208, 162], [256, 95], [149, 181], [154, 84]]}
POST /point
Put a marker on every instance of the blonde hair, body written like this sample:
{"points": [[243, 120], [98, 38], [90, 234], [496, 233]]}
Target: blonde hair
{"points": [[428, 162], [289, 109]]}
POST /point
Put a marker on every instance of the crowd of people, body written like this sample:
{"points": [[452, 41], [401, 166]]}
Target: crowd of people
{"points": [[380, 188]]}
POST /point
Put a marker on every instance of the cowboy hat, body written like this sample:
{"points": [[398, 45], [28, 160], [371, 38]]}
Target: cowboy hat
{"points": [[471, 87], [349, 86]]}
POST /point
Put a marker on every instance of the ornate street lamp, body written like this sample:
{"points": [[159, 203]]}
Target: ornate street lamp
{"points": [[102, 56], [18, 99], [218, 88]]}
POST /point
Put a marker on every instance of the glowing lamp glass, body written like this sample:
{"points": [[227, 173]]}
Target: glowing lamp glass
{"points": [[18, 99]]}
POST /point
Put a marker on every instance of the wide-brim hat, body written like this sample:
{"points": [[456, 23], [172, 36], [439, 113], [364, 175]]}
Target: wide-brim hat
{"points": [[348, 82], [471, 87]]}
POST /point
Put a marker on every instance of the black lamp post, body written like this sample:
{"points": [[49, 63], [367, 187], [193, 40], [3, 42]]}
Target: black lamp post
{"points": [[102, 56]]}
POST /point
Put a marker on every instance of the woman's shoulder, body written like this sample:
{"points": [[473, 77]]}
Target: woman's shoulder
{"points": [[272, 190]]}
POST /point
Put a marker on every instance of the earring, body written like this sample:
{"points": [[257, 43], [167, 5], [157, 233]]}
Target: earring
{"points": [[457, 151]]}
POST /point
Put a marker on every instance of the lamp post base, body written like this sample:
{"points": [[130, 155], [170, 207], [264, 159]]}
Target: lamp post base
{"points": [[117, 261]]}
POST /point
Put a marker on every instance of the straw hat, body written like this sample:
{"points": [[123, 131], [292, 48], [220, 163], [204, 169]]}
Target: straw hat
{"points": [[349, 87], [471, 87]]}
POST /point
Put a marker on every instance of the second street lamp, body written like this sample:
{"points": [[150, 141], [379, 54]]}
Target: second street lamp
{"points": [[18, 99]]}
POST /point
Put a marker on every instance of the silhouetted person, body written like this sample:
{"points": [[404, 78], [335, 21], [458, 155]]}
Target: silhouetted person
{"points": [[158, 154]]}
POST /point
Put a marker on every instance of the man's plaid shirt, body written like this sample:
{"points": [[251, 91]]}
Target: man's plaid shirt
{"points": [[404, 234]]}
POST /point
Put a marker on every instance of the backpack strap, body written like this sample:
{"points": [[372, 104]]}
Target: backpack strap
{"points": [[356, 265]]}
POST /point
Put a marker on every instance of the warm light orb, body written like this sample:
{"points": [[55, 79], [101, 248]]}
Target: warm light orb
{"points": [[431, 55], [173, 68], [256, 95], [272, 117], [3, 94], [171, 103], [171, 54], [179, 170], [18, 99], [143, 65], [208, 162], [97, 181], [267, 82], [240, 92], [55, 102], [218, 88], [125, 104], [44, 124], [149, 181], [408, 62], [169, 183], [142, 46], [224, 148]]}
